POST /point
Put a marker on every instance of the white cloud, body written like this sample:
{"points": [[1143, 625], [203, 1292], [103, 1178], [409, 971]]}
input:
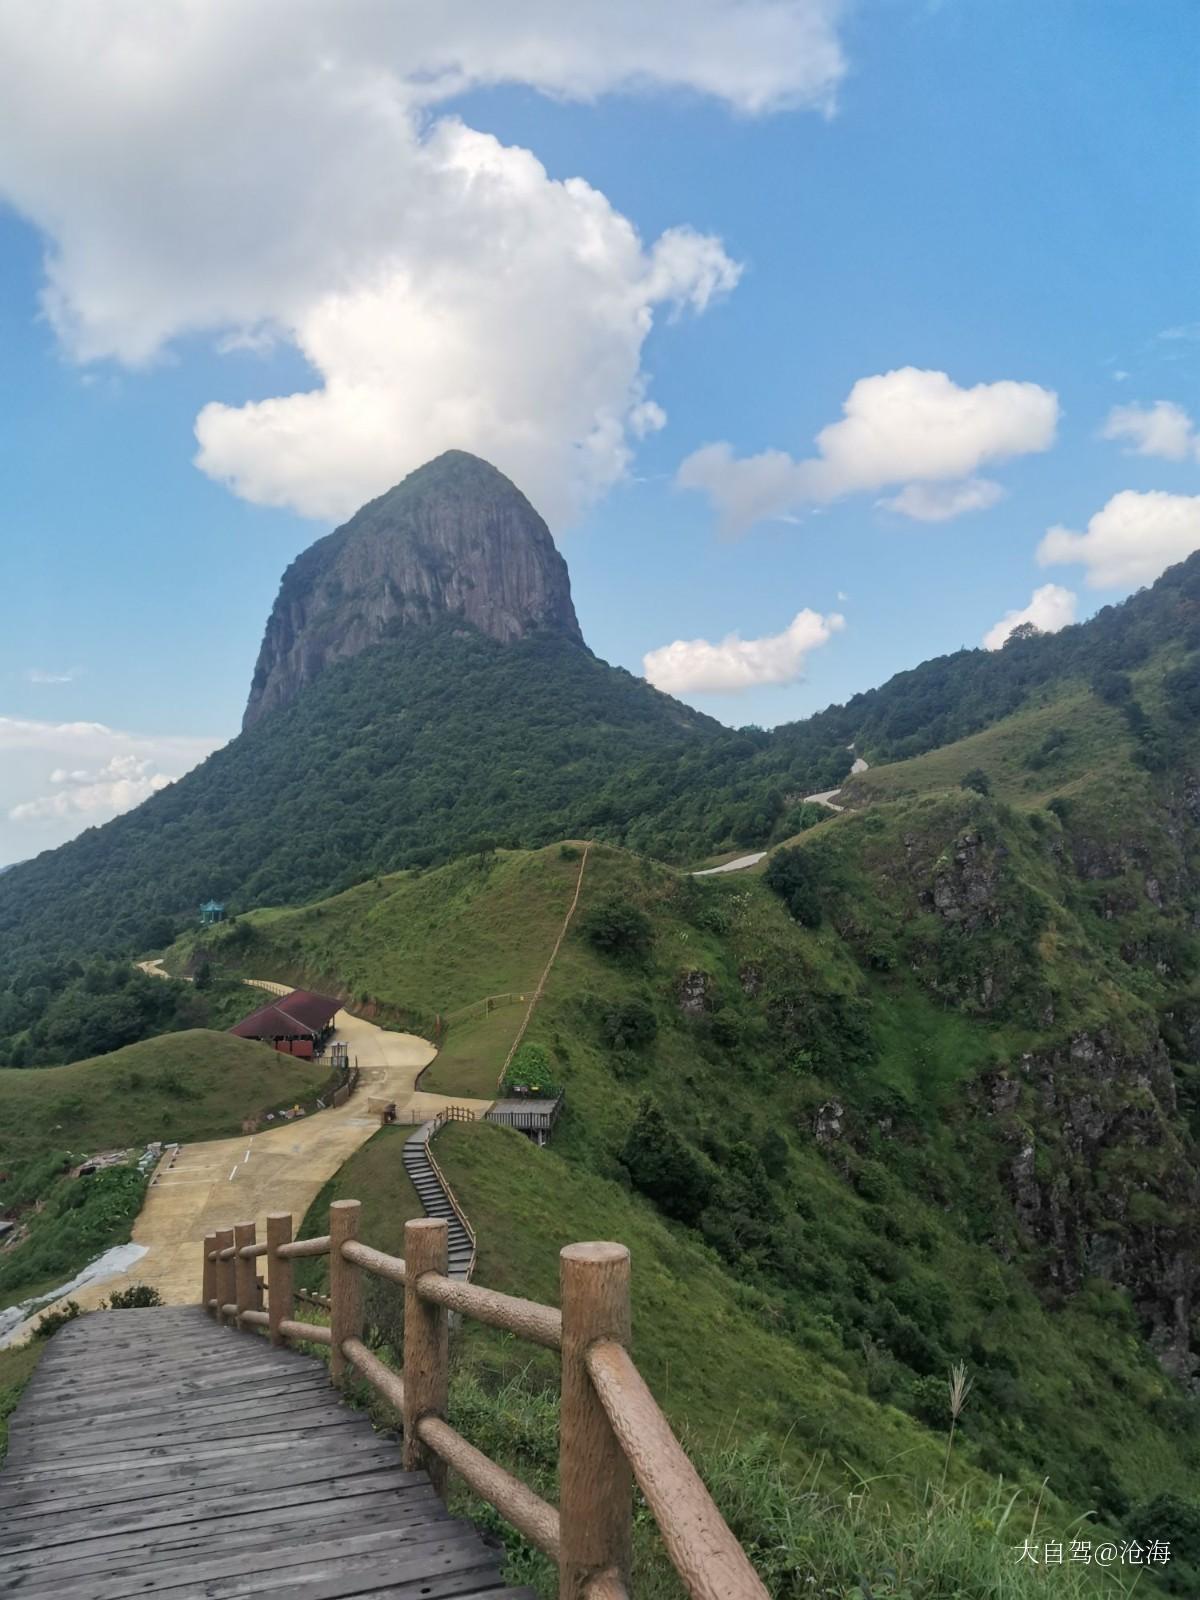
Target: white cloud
{"points": [[59, 777], [120, 784], [281, 172], [1050, 608], [1129, 541], [1163, 429], [910, 427], [694, 666], [41, 676], [938, 502]]}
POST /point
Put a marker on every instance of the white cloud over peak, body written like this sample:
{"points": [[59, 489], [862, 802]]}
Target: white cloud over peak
{"points": [[1050, 608], [59, 777], [1130, 541], [1163, 429], [281, 172], [911, 427], [694, 666]]}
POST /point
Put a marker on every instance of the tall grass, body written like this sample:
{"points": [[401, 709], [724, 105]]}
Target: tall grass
{"points": [[807, 1542]]}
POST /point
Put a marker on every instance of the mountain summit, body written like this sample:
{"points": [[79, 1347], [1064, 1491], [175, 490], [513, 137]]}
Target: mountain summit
{"points": [[455, 539]]}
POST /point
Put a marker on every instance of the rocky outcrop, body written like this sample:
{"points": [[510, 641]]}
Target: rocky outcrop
{"points": [[1102, 1179], [695, 993], [455, 540]]}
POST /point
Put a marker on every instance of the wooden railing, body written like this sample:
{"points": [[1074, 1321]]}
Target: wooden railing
{"points": [[611, 1430], [453, 1114]]}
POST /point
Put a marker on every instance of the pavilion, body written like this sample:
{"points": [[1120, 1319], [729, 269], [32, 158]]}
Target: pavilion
{"points": [[296, 1023]]}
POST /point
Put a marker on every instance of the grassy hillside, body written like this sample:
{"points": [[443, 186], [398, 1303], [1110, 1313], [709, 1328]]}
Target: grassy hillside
{"points": [[397, 942], [936, 1126], [181, 1086], [772, 1413], [184, 1086]]}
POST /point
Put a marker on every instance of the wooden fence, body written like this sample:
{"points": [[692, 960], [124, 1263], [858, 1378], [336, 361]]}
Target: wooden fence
{"points": [[611, 1430]]}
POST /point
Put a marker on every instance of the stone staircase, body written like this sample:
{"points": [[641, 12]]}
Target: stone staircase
{"points": [[435, 1199]]}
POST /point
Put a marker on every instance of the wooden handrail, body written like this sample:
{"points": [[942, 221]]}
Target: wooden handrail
{"points": [[452, 1197], [705, 1553], [305, 1247], [516, 1503], [611, 1427]]}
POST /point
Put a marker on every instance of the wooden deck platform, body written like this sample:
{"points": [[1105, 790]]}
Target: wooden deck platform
{"points": [[155, 1453]]}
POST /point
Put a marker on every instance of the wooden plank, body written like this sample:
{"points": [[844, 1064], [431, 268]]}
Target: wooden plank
{"points": [[149, 1484], [196, 1541], [151, 1435], [270, 1396], [118, 1458], [421, 1551], [157, 1454], [191, 1510]]}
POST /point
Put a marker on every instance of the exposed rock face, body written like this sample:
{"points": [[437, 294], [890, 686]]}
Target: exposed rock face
{"points": [[456, 539], [1095, 1108], [695, 993]]}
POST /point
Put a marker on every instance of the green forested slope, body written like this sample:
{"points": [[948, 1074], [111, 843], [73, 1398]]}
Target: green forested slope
{"points": [[406, 753]]}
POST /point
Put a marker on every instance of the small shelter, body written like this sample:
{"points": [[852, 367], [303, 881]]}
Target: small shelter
{"points": [[296, 1023], [212, 911]]}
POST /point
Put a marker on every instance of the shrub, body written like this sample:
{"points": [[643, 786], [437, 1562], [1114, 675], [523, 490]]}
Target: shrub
{"points": [[977, 779], [530, 1069], [629, 1026], [793, 875], [663, 1166], [54, 1320], [137, 1297], [617, 928]]}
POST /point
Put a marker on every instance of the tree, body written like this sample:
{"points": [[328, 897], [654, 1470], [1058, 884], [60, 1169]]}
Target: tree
{"points": [[1022, 631], [617, 928], [976, 779], [793, 875], [663, 1166]]}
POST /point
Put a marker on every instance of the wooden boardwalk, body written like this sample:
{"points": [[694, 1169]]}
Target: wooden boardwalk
{"points": [[157, 1453]]}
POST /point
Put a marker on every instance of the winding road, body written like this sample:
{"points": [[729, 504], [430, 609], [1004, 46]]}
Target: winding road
{"points": [[825, 798], [214, 1184]]}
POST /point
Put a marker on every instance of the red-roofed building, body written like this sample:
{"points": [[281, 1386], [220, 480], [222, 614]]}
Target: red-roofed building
{"points": [[296, 1023]]}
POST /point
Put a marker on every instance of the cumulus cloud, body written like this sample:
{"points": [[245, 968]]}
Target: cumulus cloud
{"points": [[1163, 429], [694, 666], [59, 777], [911, 427], [1130, 541], [938, 502], [1051, 607], [284, 172]]}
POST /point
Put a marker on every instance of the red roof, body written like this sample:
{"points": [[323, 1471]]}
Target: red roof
{"points": [[298, 1013]]}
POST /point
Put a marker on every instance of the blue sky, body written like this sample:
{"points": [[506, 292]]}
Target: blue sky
{"points": [[1003, 194]]}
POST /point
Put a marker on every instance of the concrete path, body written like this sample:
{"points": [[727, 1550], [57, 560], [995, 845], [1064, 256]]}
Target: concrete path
{"points": [[827, 796], [222, 1181], [733, 866]]}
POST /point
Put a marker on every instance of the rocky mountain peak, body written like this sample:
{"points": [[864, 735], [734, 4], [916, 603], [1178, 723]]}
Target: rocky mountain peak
{"points": [[455, 539]]}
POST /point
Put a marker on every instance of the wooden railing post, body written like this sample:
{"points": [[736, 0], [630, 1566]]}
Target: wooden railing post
{"points": [[426, 1344], [208, 1290], [594, 1482], [281, 1298], [245, 1271], [345, 1284], [224, 1273]]}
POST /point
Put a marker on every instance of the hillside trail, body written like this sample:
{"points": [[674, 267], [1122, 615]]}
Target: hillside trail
{"points": [[825, 798], [210, 1185]]}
